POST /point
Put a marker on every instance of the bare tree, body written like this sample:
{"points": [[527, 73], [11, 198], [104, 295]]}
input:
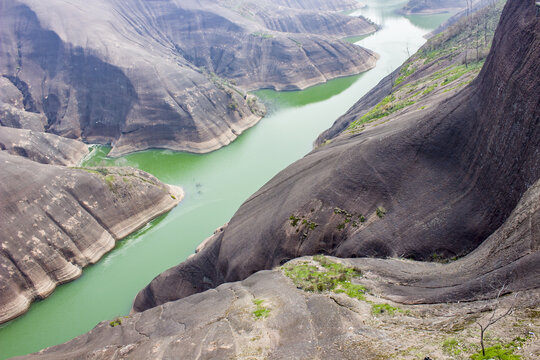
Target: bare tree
{"points": [[494, 317]]}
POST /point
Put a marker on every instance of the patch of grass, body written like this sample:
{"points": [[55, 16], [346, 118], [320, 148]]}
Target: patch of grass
{"points": [[377, 309], [430, 89], [387, 106], [497, 352], [328, 276], [115, 322], [404, 72], [381, 212], [451, 346], [261, 311]]}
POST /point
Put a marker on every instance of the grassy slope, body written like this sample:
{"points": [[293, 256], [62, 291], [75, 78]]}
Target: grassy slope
{"points": [[445, 64]]}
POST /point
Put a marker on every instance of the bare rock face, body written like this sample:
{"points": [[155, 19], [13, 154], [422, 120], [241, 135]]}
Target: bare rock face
{"points": [[42, 147], [55, 220], [433, 6], [438, 181], [152, 74]]}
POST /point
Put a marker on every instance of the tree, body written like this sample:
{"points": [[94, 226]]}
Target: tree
{"points": [[493, 318]]}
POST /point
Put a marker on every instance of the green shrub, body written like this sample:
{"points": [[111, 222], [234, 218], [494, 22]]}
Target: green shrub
{"points": [[497, 352]]}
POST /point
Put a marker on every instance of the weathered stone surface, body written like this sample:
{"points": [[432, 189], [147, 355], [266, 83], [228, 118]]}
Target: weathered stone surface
{"points": [[433, 6], [142, 74], [446, 177], [42, 147], [56, 220], [222, 324]]}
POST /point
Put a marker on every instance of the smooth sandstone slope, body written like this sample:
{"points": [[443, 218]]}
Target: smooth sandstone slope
{"points": [[55, 220], [161, 74], [442, 179]]}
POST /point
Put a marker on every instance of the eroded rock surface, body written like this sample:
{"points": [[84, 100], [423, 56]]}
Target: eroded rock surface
{"points": [[162, 74], [271, 315], [431, 183], [42, 147], [433, 6], [56, 220]]}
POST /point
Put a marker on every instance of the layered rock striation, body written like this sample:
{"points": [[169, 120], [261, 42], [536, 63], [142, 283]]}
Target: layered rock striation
{"points": [[160, 74], [432, 183], [55, 220]]}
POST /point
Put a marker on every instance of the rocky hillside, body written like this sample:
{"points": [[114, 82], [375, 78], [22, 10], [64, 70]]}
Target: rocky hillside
{"points": [[55, 220], [164, 74], [430, 184], [447, 62], [433, 6]]}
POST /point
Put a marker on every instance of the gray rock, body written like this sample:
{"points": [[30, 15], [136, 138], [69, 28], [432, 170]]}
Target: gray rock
{"points": [[139, 74], [433, 6], [56, 220], [447, 177], [42, 147]]}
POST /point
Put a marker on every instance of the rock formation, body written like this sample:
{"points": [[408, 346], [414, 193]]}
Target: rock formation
{"points": [[431, 183], [433, 6], [55, 220], [162, 74]]}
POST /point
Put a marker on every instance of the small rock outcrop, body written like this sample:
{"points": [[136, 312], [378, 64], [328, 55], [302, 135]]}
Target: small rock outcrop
{"points": [[41, 147], [55, 220], [164, 74], [433, 183]]}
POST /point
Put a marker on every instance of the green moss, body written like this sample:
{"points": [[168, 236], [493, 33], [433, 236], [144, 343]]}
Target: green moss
{"points": [[328, 276], [377, 309], [497, 352], [261, 311]]}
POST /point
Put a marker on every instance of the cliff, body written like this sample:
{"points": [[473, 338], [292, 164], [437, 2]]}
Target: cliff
{"points": [[332, 308], [161, 74], [431, 183], [55, 220]]}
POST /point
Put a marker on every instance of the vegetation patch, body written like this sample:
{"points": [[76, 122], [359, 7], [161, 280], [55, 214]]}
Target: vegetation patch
{"points": [[497, 352], [261, 311], [405, 71], [380, 211], [387, 106], [302, 224], [353, 219], [451, 346], [262, 35], [115, 322], [326, 276], [378, 309]]}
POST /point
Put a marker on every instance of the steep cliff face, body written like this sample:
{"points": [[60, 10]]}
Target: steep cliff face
{"points": [[56, 220], [429, 184], [140, 74]]}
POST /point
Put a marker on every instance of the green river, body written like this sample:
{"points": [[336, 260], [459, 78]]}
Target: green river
{"points": [[216, 184]]}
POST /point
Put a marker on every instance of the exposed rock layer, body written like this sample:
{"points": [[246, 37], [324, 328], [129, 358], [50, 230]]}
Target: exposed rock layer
{"points": [[42, 147], [142, 74], [56, 220], [434, 182]]}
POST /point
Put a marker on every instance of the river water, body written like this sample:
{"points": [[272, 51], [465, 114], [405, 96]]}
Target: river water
{"points": [[216, 184]]}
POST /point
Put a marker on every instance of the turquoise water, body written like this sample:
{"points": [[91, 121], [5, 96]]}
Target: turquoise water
{"points": [[216, 184]]}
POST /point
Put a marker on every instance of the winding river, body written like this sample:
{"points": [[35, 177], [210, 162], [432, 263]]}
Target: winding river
{"points": [[215, 184]]}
